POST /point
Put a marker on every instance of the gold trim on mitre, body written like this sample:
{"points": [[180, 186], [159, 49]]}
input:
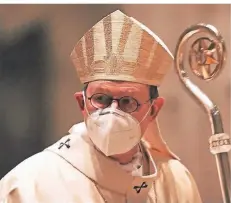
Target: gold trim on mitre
{"points": [[120, 48]]}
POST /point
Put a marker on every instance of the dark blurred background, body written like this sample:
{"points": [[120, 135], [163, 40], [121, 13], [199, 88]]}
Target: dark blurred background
{"points": [[38, 81]]}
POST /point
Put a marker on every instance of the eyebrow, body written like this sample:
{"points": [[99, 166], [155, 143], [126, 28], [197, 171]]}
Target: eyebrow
{"points": [[132, 92]]}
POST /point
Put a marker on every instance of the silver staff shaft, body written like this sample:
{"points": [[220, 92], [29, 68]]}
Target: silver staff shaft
{"points": [[222, 159]]}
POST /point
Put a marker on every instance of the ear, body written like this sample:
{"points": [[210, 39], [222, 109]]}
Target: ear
{"points": [[79, 99], [157, 105]]}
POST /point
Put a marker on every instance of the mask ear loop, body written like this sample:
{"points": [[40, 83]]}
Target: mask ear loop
{"points": [[85, 106], [146, 113]]}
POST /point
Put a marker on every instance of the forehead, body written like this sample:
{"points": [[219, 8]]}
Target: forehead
{"points": [[117, 86]]}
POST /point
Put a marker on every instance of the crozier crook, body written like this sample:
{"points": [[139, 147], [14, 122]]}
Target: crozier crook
{"points": [[206, 59]]}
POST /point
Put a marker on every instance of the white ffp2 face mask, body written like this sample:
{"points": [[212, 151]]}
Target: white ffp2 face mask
{"points": [[113, 131]]}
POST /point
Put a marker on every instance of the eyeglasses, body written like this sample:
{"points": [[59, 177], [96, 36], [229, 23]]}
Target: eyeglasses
{"points": [[126, 103]]}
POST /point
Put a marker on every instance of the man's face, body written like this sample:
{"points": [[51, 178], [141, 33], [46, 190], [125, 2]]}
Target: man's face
{"points": [[117, 90]]}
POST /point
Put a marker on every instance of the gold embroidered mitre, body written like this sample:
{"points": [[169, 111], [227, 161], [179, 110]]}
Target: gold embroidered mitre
{"points": [[120, 48]]}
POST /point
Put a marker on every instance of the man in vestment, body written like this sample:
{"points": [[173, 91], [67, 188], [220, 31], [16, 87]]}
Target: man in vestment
{"points": [[117, 155]]}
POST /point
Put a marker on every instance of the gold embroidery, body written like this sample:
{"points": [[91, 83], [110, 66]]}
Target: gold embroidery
{"points": [[120, 48]]}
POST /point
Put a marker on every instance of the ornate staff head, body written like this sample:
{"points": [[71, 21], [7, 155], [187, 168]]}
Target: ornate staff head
{"points": [[207, 53]]}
